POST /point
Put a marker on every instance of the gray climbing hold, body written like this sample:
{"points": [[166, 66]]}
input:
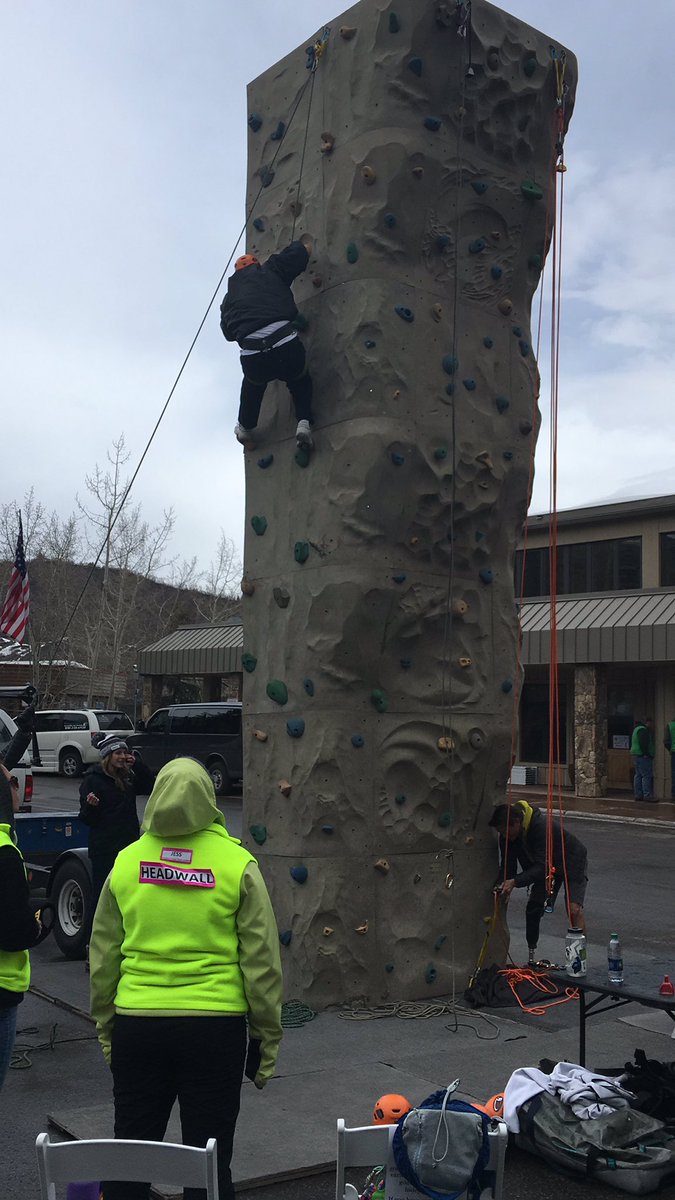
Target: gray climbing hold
{"points": [[255, 121], [415, 65], [278, 132], [249, 662], [352, 252], [299, 874], [258, 224], [450, 364], [496, 272], [431, 973], [488, 343], [501, 404], [308, 685], [406, 314], [266, 461], [258, 833], [397, 459], [399, 577], [259, 525], [266, 176], [277, 691], [295, 727], [469, 384], [432, 123], [357, 740], [507, 685], [282, 597], [285, 937], [394, 23], [477, 246], [479, 186], [486, 575], [301, 552]]}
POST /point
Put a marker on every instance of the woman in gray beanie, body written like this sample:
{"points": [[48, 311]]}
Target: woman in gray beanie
{"points": [[108, 805]]}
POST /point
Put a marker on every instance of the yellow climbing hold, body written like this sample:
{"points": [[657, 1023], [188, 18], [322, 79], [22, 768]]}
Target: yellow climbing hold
{"points": [[446, 743], [362, 928], [368, 174], [328, 930], [382, 866]]}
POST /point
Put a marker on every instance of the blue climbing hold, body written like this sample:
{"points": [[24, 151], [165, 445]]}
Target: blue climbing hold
{"points": [[299, 874], [450, 364], [450, 389], [308, 685], [370, 344], [486, 575], [496, 272], [431, 973], [507, 685], [389, 968], [469, 384], [501, 404], [301, 552], [399, 577], [265, 462], [397, 459], [516, 331], [415, 65], [352, 252], [255, 121], [406, 314], [432, 123], [258, 224], [440, 453], [406, 663], [278, 132], [439, 941], [285, 937], [400, 797], [442, 241], [357, 740], [394, 23], [389, 220], [258, 833], [477, 246], [524, 347], [326, 828], [479, 186], [507, 455], [295, 727], [530, 65], [266, 176], [488, 343]]}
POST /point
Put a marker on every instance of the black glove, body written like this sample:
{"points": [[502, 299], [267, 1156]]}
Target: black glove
{"points": [[46, 915], [252, 1059]]}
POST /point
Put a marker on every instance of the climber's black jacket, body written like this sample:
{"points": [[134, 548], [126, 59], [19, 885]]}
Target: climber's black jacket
{"points": [[257, 296]]}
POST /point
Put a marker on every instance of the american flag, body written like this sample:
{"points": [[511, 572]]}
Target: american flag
{"points": [[14, 615]]}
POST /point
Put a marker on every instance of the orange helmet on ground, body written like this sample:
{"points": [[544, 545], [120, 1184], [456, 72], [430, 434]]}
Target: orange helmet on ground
{"points": [[494, 1107], [390, 1108], [246, 260]]}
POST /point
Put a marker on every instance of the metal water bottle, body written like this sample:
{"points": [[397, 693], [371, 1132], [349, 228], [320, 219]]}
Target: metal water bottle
{"points": [[614, 959], [575, 952]]}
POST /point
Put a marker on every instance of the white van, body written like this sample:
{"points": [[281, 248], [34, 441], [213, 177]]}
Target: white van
{"points": [[23, 769], [67, 737]]}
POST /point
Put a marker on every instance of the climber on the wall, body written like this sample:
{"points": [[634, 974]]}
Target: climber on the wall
{"points": [[257, 313]]}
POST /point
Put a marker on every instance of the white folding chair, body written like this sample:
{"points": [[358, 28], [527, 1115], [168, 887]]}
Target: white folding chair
{"points": [[370, 1145], [119, 1160]]}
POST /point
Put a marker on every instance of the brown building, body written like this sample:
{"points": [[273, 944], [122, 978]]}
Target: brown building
{"points": [[615, 641]]}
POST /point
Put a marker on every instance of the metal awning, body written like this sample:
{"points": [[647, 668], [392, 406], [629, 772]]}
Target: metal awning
{"points": [[630, 627], [195, 650]]}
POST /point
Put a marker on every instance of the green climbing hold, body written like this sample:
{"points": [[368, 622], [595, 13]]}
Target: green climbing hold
{"points": [[302, 456], [258, 833], [444, 820], [440, 453], [535, 262], [308, 685], [285, 936], [531, 190], [430, 973], [394, 23], [259, 524], [530, 65], [249, 662], [400, 797], [501, 404], [300, 322], [301, 552], [352, 252], [277, 691], [379, 700]]}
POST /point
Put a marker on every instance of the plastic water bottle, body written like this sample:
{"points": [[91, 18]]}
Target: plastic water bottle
{"points": [[614, 959], [575, 952]]}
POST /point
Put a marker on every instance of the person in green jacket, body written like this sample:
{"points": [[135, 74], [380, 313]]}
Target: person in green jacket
{"points": [[643, 749], [184, 953], [669, 743]]}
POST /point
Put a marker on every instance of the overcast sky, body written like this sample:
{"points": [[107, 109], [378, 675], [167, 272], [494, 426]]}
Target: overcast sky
{"points": [[124, 157]]}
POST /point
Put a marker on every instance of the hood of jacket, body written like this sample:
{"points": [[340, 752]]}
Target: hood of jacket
{"points": [[182, 800], [528, 811]]}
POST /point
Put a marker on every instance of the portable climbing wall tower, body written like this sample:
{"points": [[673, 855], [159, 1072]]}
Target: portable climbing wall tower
{"points": [[380, 627]]}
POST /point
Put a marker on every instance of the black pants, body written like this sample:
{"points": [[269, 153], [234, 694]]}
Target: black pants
{"points": [[199, 1061], [286, 363], [101, 866]]}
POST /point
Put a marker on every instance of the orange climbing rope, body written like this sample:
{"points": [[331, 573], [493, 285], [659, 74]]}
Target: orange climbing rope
{"points": [[540, 981]]}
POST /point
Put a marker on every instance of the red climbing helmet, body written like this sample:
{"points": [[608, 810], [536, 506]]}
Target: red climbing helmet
{"points": [[246, 260], [390, 1108]]}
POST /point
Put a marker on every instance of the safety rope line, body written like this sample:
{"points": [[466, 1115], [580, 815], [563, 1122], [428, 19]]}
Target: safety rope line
{"points": [[296, 207], [216, 291]]}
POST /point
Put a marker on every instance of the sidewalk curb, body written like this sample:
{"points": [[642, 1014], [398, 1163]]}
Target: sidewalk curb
{"points": [[664, 823]]}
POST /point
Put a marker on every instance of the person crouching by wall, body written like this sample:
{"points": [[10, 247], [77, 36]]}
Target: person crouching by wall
{"points": [[184, 949], [108, 805]]}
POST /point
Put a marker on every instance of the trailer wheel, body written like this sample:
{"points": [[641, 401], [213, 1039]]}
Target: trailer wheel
{"points": [[71, 895]]}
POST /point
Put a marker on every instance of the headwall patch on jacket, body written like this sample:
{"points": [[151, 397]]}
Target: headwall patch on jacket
{"points": [[174, 854], [157, 872]]}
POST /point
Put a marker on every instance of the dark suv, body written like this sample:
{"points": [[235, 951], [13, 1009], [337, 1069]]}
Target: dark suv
{"points": [[208, 732]]}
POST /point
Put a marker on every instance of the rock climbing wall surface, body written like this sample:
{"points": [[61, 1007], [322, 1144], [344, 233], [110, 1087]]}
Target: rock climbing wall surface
{"points": [[379, 616]]}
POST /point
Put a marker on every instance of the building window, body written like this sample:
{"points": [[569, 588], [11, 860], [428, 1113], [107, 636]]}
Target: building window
{"points": [[607, 566], [535, 725], [667, 549]]}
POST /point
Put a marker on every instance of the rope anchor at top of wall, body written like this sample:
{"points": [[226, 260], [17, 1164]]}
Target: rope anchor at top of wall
{"points": [[316, 51]]}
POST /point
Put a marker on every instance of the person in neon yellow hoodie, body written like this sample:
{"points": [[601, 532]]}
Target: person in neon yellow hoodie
{"points": [[184, 951]]}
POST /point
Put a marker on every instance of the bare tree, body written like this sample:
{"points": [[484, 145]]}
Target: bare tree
{"points": [[219, 585]]}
